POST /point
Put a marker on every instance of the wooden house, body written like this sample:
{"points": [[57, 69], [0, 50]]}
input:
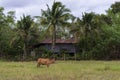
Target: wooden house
{"points": [[67, 45]]}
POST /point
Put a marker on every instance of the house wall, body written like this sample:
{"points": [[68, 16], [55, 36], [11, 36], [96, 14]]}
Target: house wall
{"points": [[70, 48]]}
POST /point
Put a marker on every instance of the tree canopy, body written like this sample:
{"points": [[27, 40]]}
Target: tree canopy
{"points": [[97, 35]]}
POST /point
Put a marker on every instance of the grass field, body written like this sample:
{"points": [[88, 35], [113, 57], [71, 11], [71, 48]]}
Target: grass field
{"points": [[61, 70]]}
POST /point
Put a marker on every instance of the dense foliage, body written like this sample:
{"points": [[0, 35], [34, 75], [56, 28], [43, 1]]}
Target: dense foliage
{"points": [[97, 35]]}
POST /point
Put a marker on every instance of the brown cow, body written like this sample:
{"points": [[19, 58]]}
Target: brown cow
{"points": [[45, 61]]}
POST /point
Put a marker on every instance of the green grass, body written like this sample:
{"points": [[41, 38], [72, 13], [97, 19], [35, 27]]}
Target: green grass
{"points": [[61, 70]]}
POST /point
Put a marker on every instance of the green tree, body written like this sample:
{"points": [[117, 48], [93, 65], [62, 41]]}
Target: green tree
{"points": [[27, 33], [87, 30], [115, 8], [54, 17], [6, 33], [76, 29], [90, 26]]}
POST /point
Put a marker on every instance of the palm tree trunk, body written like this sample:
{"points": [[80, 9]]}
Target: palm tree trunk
{"points": [[25, 52], [76, 37], [53, 38]]}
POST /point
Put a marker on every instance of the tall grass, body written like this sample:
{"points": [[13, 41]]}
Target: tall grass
{"points": [[61, 70]]}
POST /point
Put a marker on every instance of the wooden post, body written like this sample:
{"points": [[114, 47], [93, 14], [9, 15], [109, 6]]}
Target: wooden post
{"points": [[64, 57], [75, 56]]}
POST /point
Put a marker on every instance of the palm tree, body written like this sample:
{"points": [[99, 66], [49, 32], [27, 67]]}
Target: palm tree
{"points": [[87, 22], [76, 28], [92, 30], [27, 33], [54, 17], [86, 30]]}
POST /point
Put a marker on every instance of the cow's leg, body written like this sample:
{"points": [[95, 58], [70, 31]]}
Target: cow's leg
{"points": [[47, 65], [38, 64]]}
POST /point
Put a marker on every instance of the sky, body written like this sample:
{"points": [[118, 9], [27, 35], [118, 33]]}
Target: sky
{"points": [[77, 7]]}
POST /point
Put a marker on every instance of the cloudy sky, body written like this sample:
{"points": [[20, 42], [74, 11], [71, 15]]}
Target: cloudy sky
{"points": [[33, 7]]}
